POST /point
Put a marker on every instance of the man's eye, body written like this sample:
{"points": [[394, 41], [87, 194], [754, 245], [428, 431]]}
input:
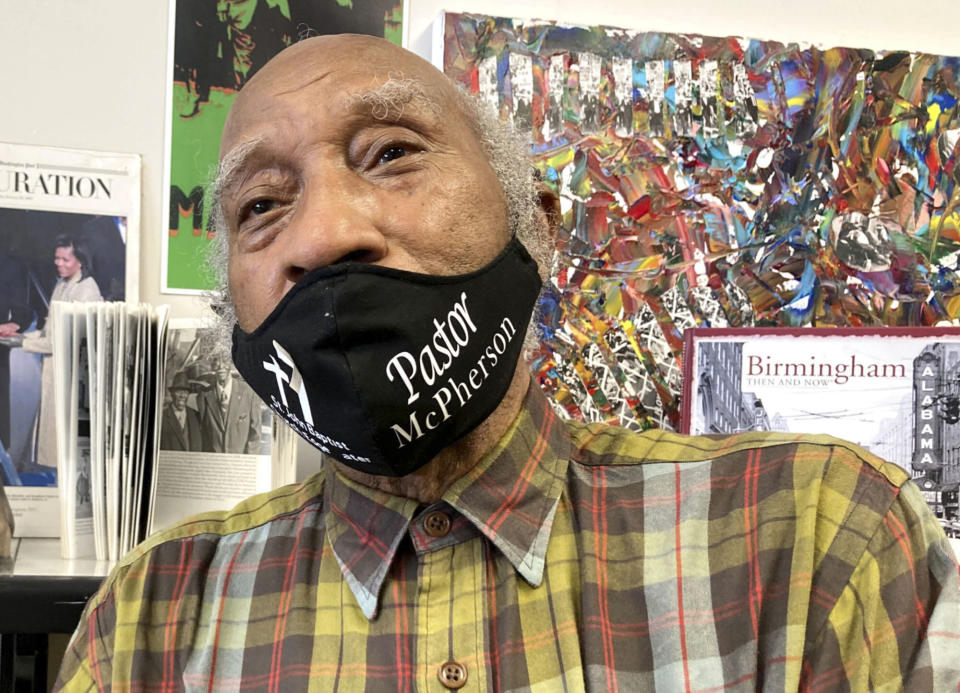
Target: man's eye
{"points": [[262, 207], [391, 153]]}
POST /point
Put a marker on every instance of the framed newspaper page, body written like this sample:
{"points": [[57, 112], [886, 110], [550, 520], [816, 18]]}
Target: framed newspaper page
{"points": [[69, 231], [894, 391]]}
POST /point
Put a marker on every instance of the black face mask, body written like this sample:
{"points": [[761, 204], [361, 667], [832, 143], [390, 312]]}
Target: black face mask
{"points": [[382, 368]]}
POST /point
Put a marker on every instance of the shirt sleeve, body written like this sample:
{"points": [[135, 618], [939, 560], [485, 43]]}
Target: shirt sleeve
{"points": [[896, 623], [37, 342]]}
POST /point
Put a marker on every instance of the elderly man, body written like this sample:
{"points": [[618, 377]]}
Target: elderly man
{"points": [[180, 428], [229, 414], [462, 536]]}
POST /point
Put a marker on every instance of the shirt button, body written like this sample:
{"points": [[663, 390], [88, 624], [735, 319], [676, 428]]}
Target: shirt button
{"points": [[453, 675], [437, 524]]}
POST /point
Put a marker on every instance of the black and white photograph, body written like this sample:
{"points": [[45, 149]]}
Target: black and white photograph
{"points": [[622, 69], [589, 64], [556, 82], [655, 73], [217, 443], [207, 407], [521, 82]]}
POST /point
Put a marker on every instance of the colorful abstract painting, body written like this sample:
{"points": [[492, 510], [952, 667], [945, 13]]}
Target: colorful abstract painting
{"points": [[720, 182], [217, 45]]}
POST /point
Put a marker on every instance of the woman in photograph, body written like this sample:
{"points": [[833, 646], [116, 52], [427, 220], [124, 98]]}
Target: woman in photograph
{"points": [[74, 283]]}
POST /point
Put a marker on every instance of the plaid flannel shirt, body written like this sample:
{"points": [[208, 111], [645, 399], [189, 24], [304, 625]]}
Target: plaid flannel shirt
{"points": [[573, 557]]}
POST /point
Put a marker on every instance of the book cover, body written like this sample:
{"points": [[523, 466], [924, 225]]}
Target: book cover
{"points": [[893, 391]]}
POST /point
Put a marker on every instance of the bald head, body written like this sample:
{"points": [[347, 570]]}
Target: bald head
{"points": [[385, 77]]}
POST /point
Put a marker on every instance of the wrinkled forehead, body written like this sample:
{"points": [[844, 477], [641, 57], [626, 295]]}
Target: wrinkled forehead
{"points": [[386, 83]]}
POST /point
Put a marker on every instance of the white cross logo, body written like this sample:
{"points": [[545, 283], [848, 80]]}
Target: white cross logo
{"points": [[294, 381]]}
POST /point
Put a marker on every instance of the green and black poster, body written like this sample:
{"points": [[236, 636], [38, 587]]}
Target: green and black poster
{"points": [[217, 45]]}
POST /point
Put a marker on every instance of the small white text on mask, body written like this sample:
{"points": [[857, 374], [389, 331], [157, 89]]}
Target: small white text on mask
{"points": [[453, 394]]}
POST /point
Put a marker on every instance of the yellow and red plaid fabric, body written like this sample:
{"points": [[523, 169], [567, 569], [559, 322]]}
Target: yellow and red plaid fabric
{"points": [[576, 557]]}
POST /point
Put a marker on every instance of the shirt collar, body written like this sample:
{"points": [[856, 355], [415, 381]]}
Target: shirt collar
{"points": [[510, 496]]}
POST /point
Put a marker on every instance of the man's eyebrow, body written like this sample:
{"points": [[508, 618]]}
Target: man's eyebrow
{"points": [[230, 166], [389, 100]]}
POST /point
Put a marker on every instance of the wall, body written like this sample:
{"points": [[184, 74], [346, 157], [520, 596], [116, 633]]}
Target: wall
{"points": [[90, 73]]}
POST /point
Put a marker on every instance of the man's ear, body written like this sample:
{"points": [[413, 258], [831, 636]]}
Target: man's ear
{"points": [[550, 206]]}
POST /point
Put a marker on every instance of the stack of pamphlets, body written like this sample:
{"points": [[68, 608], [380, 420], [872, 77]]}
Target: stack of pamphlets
{"points": [[152, 425], [106, 361]]}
